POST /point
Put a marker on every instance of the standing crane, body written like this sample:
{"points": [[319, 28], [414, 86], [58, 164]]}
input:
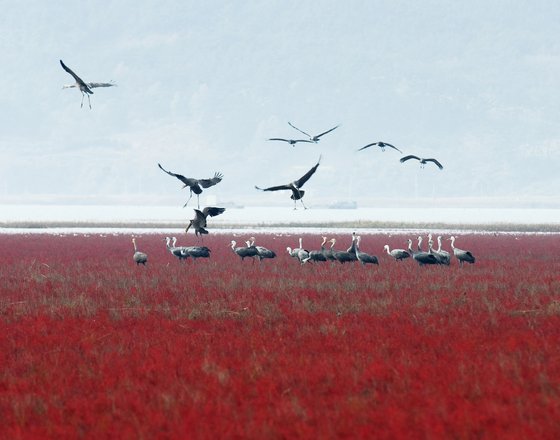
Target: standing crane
{"points": [[460, 254], [397, 254], [139, 257]]}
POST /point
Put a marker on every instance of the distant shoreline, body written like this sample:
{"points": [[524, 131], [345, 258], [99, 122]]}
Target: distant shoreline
{"points": [[378, 225]]}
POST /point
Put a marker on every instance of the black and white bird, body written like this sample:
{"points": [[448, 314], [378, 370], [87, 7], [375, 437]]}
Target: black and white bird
{"points": [[295, 186], [362, 256], [300, 253], [192, 251], [292, 142], [139, 257], [85, 88], [198, 223], [381, 145], [317, 255], [423, 160], [328, 252], [263, 252], [461, 255], [177, 252], [315, 138], [348, 255], [397, 254], [420, 256], [443, 256], [195, 185], [244, 251]]}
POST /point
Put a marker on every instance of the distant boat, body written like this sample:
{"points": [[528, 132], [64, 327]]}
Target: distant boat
{"points": [[344, 204]]}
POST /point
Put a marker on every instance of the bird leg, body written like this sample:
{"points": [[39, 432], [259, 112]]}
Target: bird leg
{"points": [[82, 103], [187, 202], [304, 207], [89, 102]]}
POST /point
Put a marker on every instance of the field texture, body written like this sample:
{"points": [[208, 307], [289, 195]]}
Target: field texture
{"points": [[94, 346]]}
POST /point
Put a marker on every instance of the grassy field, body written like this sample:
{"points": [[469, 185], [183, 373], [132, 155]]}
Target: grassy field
{"points": [[93, 346]]}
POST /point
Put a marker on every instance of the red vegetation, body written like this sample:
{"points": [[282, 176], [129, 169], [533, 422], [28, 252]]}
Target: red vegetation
{"points": [[93, 346]]}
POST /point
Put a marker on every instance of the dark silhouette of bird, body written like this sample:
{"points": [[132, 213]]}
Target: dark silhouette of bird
{"points": [[460, 254], [442, 255], [315, 138], [262, 252], [139, 257], [244, 251], [381, 145], [292, 142], [192, 251], [85, 88], [177, 252], [349, 254], [329, 252], [300, 253], [422, 160], [420, 256], [195, 185], [297, 193], [362, 256], [199, 221], [397, 254], [317, 255]]}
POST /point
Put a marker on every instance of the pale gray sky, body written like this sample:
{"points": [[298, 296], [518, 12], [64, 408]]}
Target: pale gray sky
{"points": [[202, 85]]}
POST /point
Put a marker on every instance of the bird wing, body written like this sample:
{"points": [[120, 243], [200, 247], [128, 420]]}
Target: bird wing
{"points": [[392, 146], [94, 85], [76, 77], [299, 183], [206, 183], [279, 139], [367, 146], [200, 217], [440, 166], [212, 211], [275, 188], [301, 131], [186, 180], [410, 156], [325, 132]]}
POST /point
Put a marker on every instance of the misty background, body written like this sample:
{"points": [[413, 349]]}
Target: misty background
{"points": [[201, 86]]}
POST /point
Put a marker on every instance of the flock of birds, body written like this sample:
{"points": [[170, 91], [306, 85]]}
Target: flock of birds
{"points": [[353, 253], [325, 253]]}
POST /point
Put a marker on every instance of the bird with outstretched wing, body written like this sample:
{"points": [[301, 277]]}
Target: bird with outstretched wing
{"points": [[85, 88], [315, 138], [292, 142], [195, 185], [422, 160], [381, 145], [295, 186], [199, 220]]}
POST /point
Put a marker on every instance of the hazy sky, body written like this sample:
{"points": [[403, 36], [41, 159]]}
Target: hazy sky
{"points": [[202, 85]]}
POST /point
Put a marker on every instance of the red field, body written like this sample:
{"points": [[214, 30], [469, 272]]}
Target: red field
{"points": [[93, 346]]}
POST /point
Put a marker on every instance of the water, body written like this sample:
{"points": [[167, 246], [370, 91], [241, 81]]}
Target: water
{"points": [[255, 216]]}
